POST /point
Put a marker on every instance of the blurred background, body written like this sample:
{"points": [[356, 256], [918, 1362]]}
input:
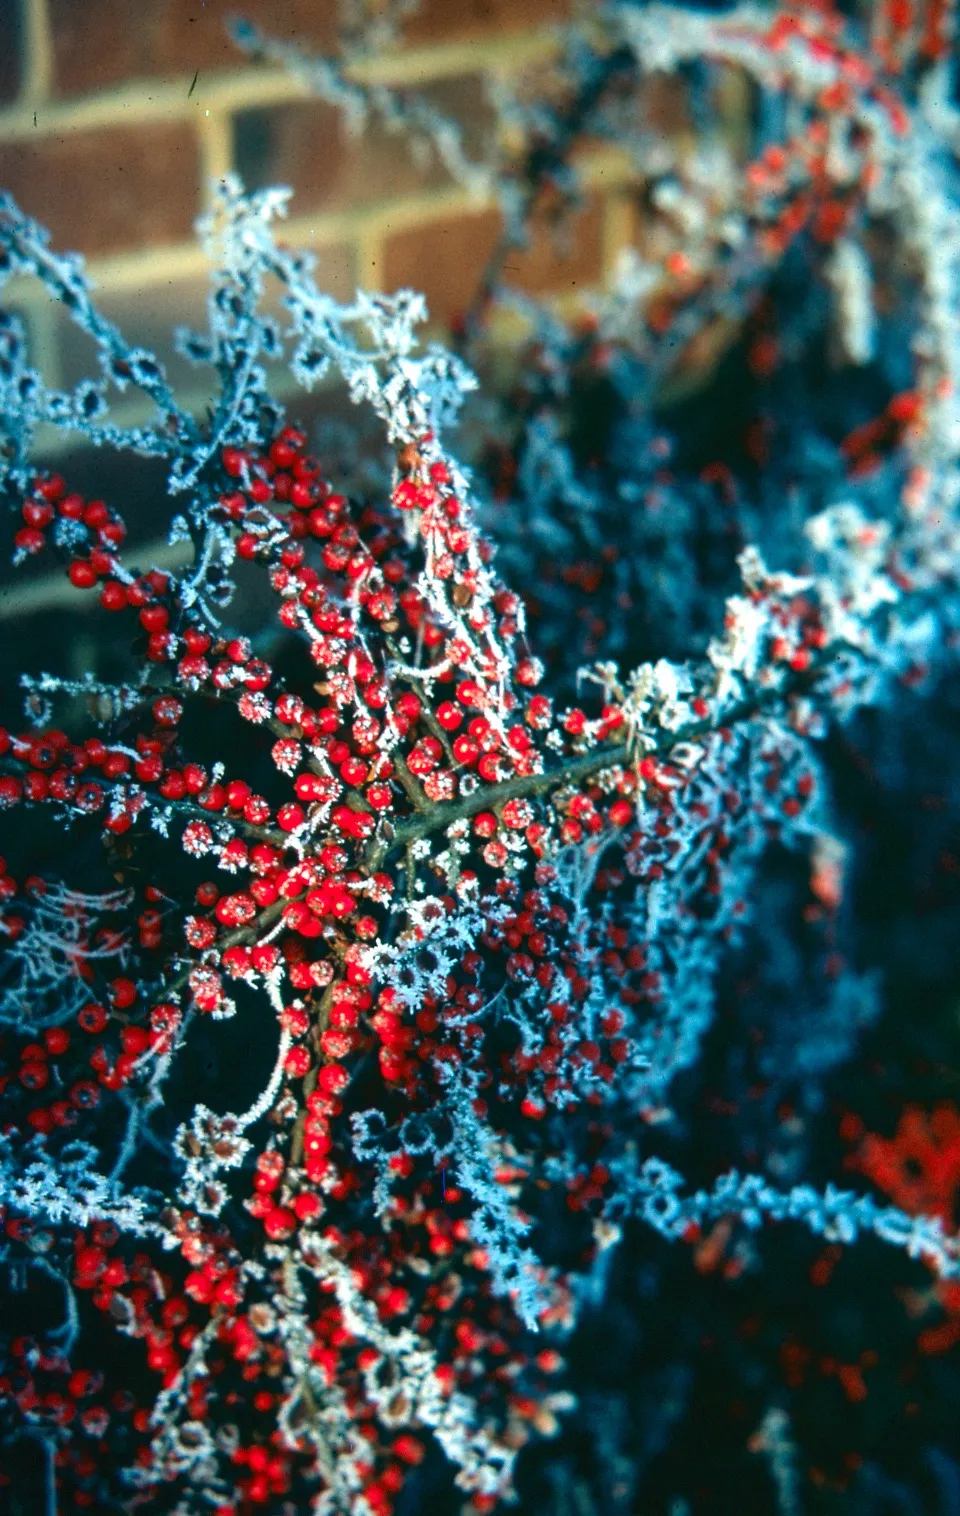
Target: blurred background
{"points": [[118, 118]]}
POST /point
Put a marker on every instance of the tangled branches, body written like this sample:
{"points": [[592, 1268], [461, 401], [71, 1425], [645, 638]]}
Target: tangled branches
{"points": [[466, 935]]}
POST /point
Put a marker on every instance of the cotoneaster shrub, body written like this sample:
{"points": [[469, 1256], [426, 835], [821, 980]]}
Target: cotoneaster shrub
{"points": [[469, 901]]}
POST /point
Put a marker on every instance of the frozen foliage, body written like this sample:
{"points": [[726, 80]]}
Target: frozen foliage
{"points": [[44, 958], [426, 128], [464, 941], [68, 1190]]}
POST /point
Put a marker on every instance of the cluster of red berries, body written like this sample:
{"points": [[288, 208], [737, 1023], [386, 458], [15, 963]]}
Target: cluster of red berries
{"points": [[376, 747]]}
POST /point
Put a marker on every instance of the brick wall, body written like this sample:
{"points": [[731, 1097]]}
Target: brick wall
{"points": [[116, 116]]}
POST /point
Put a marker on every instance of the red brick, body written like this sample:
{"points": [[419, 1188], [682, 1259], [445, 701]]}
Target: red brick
{"points": [[442, 259], [108, 190], [307, 144], [455, 20], [561, 260], [445, 260], [98, 43]]}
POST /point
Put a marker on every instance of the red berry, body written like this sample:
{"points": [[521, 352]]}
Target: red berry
{"points": [[290, 816], [280, 1223], [29, 539], [449, 715], [82, 575], [233, 460], [153, 618], [113, 596]]}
